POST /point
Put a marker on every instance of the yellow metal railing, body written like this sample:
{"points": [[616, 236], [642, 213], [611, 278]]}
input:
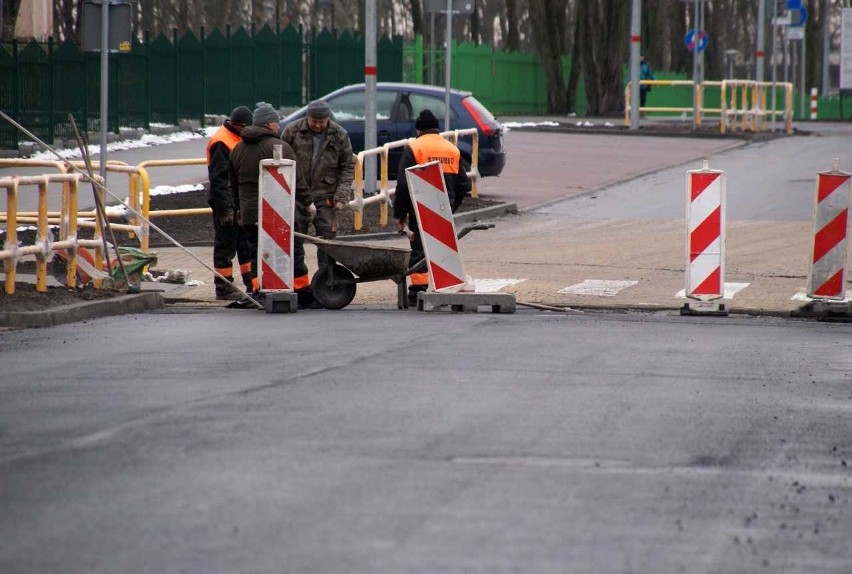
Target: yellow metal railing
{"points": [[751, 113], [43, 246]]}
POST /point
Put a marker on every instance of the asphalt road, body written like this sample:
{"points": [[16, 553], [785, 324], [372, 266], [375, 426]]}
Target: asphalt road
{"points": [[380, 441]]}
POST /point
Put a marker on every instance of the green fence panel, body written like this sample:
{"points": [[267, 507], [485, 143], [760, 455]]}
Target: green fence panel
{"points": [[217, 80], [70, 86], [163, 87], [131, 86], [350, 61], [242, 69], [34, 90], [267, 65], [290, 81], [8, 95], [389, 57], [190, 77], [323, 76]]}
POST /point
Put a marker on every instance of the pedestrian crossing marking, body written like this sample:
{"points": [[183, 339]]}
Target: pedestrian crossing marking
{"points": [[730, 290], [494, 285], [598, 287]]}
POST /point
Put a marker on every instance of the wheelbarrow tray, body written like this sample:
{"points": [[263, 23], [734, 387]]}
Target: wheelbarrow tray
{"points": [[367, 261]]}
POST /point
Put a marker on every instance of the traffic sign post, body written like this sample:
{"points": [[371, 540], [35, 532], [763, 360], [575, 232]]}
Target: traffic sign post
{"points": [[695, 41]]}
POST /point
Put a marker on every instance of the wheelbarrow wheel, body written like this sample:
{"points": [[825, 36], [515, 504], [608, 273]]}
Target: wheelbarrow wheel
{"points": [[336, 292]]}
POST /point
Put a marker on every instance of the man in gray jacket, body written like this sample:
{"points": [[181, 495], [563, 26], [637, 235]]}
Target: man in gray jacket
{"points": [[325, 164], [257, 144]]}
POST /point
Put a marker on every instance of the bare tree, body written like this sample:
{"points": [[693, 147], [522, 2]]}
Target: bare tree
{"points": [[603, 54], [548, 22]]}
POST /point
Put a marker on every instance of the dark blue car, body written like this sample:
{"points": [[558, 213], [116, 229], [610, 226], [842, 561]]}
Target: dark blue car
{"points": [[398, 105]]}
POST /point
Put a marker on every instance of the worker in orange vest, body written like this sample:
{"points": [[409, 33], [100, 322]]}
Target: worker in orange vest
{"points": [[429, 145], [228, 238]]}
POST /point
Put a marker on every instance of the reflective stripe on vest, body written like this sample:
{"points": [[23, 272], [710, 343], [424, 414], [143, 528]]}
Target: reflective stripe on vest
{"points": [[226, 136], [433, 147]]}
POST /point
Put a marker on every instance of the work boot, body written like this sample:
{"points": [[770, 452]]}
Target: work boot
{"points": [[413, 290], [228, 293], [307, 300]]}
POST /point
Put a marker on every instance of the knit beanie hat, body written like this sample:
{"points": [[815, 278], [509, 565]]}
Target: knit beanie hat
{"points": [[426, 121], [241, 115], [318, 109], [264, 114]]}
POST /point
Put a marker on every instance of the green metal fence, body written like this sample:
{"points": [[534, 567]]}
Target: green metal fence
{"points": [[165, 79]]}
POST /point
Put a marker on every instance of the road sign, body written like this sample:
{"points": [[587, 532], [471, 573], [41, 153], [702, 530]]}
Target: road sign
{"points": [[795, 32], [798, 16], [695, 40]]}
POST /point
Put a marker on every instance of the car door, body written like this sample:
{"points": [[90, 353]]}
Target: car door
{"points": [[350, 111]]}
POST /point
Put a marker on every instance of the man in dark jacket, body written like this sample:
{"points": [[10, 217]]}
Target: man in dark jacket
{"points": [[428, 146], [258, 142], [228, 239], [326, 164]]}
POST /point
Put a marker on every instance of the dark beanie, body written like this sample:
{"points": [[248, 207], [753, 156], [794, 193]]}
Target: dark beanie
{"points": [[241, 115], [318, 109], [264, 114], [426, 121]]}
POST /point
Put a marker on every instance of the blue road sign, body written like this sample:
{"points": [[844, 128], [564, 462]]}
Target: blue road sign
{"points": [[695, 40], [798, 16]]}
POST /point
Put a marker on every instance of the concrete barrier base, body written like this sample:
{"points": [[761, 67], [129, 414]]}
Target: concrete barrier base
{"points": [[465, 302], [710, 308], [283, 302]]}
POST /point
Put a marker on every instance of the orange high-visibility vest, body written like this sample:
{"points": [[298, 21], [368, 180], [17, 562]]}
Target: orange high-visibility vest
{"points": [[433, 147], [225, 136]]}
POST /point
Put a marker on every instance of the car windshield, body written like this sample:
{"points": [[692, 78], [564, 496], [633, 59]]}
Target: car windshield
{"points": [[350, 107]]}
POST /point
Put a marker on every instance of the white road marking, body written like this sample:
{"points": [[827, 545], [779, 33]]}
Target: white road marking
{"points": [[494, 285], [729, 291], [598, 287]]}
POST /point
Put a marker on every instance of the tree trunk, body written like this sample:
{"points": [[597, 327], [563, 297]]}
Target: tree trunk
{"points": [[548, 22], [513, 36], [604, 52], [576, 68]]}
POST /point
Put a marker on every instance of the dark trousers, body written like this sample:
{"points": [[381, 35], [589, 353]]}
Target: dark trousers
{"points": [[300, 270], [228, 241], [643, 95], [325, 222]]}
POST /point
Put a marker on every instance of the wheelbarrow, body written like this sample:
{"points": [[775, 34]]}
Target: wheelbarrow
{"points": [[352, 262]]}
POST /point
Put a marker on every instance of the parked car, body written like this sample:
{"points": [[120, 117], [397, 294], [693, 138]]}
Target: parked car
{"points": [[398, 105]]}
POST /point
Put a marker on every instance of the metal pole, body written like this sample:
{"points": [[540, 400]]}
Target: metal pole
{"points": [[701, 53], [803, 67], [104, 87], [432, 49], [370, 138], [774, 51], [826, 35], [695, 66], [760, 53], [635, 45], [447, 62]]}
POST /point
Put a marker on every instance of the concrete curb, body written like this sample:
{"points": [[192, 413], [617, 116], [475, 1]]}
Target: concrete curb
{"points": [[82, 311], [651, 131]]}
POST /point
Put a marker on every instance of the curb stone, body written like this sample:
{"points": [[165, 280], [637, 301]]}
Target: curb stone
{"points": [[121, 305]]}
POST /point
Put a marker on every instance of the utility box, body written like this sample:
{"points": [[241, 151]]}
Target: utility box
{"points": [[120, 18]]}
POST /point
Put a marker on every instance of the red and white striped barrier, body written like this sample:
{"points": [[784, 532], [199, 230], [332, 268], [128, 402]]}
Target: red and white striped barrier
{"points": [[705, 234], [437, 229], [813, 103], [827, 278], [276, 190]]}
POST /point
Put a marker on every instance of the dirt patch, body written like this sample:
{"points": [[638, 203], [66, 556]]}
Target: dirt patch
{"points": [[26, 298]]}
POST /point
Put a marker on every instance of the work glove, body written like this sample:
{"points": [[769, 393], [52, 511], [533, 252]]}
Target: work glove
{"points": [[340, 206], [226, 220], [312, 211]]}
